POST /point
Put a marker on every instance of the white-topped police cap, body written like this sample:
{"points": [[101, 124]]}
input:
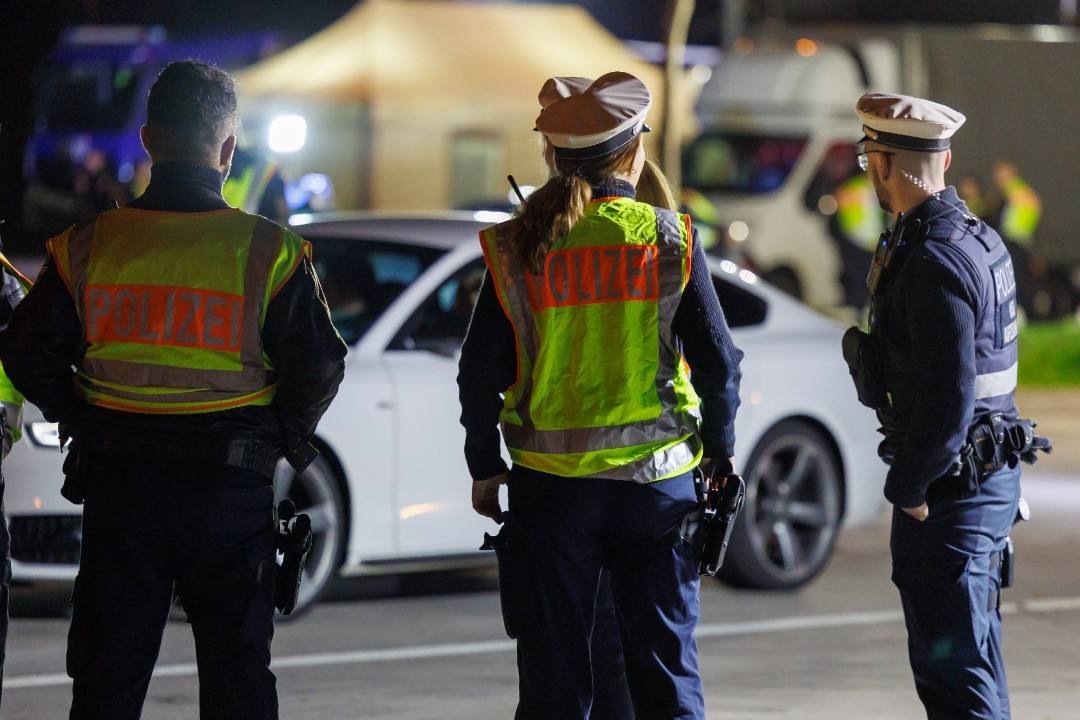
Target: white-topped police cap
{"points": [[907, 123], [585, 118]]}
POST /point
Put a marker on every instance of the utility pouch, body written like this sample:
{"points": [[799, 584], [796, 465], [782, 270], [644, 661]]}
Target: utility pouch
{"points": [[966, 472], [520, 610], [863, 357], [75, 476], [1008, 564], [292, 542]]}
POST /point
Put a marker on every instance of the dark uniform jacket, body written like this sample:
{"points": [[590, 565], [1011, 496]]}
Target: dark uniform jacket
{"points": [[43, 340], [948, 322]]}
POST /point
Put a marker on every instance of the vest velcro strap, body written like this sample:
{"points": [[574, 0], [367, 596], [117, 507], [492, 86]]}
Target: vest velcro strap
{"points": [[669, 426], [215, 382]]}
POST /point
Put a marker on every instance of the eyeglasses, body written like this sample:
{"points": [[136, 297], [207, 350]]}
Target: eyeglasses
{"points": [[864, 163]]}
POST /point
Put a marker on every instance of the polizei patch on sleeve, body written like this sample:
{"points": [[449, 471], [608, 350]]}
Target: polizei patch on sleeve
{"points": [[1005, 301]]}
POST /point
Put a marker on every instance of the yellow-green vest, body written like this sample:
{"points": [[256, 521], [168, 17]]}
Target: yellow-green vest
{"points": [[245, 190], [11, 399], [601, 390], [172, 307], [858, 212], [1021, 214]]}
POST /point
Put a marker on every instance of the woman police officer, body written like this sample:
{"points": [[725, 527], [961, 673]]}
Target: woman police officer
{"points": [[593, 311]]}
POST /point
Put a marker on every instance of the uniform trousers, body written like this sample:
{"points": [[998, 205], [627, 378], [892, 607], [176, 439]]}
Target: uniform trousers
{"points": [[577, 527], [5, 583], [151, 527], [949, 586]]}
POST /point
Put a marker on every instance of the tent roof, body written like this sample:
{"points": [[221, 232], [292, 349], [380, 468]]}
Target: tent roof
{"points": [[419, 51]]}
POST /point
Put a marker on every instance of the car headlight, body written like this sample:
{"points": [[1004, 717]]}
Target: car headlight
{"points": [[44, 434]]}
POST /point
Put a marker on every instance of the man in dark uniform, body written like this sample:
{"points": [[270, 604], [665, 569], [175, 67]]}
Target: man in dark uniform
{"points": [[943, 331], [203, 352]]}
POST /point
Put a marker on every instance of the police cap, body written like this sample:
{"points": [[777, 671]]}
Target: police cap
{"points": [[907, 123], [585, 118]]}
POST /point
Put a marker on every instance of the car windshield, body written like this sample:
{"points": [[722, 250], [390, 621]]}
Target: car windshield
{"points": [[361, 278], [742, 164], [91, 95]]}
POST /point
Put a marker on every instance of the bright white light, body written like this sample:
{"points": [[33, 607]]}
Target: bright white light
{"points": [[747, 277], [287, 133], [300, 219], [45, 434], [526, 191], [738, 231], [729, 267], [491, 216], [316, 183]]}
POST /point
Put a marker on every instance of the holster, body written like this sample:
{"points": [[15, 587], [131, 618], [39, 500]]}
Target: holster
{"points": [[863, 357], [521, 612]]}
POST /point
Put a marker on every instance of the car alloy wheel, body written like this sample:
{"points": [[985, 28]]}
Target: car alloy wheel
{"points": [[316, 492], [785, 534]]}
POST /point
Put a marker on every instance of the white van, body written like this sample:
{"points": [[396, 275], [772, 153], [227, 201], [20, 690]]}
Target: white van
{"points": [[778, 136]]}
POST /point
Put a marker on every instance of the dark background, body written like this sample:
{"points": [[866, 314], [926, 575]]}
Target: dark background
{"points": [[30, 28]]}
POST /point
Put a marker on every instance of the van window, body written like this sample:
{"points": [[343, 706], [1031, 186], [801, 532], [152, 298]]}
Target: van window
{"points": [[740, 163], [91, 95]]}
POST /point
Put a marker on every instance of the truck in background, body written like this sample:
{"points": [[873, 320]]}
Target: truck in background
{"points": [[85, 151], [779, 132]]}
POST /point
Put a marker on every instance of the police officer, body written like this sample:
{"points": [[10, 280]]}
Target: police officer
{"points": [[255, 185], [202, 351], [943, 329], [591, 304], [13, 287]]}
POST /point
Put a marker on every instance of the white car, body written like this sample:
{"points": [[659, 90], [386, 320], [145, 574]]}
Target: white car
{"points": [[391, 493]]}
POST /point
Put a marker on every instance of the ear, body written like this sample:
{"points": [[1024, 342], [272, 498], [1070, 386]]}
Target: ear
{"points": [[948, 159], [142, 138], [226, 152]]}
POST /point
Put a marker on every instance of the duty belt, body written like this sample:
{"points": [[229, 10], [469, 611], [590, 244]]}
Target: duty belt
{"points": [[244, 453]]}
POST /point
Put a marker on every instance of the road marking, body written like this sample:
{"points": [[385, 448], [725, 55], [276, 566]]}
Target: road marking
{"points": [[423, 652]]}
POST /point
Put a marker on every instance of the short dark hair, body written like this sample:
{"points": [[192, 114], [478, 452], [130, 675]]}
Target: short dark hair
{"points": [[191, 109]]}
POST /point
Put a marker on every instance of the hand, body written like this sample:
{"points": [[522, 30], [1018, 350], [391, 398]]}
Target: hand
{"points": [[708, 465], [919, 513], [485, 496]]}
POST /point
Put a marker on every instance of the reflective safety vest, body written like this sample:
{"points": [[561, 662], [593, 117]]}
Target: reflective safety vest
{"points": [[601, 389], [14, 289], [858, 212], [172, 307], [245, 189], [1020, 216]]}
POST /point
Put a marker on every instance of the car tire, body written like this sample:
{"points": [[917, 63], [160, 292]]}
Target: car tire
{"points": [[317, 493], [794, 497]]}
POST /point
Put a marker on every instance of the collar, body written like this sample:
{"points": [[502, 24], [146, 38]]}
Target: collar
{"points": [[937, 205], [172, 172], [613, 187]]}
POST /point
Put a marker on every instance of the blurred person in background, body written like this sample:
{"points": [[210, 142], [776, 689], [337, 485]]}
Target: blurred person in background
{"points": [[939, 366], [255, 185], [592, 302]]}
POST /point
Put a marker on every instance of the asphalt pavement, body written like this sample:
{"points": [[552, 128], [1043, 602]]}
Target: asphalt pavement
{"points": [[431, 647]]}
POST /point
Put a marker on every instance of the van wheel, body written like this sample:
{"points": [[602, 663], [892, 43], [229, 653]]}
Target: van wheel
{"points": [[786, 531], [784, 278], [317, 493]]}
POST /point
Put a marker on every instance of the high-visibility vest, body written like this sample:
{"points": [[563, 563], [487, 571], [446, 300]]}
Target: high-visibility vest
{"points": [[245, 189], [172, 306], [602, 389], [11, 400], [1021, 213], [858, 212]]}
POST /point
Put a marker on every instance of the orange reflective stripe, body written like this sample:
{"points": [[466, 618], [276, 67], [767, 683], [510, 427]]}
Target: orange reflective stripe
{"points": [[157, 315], [590, 275]]}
